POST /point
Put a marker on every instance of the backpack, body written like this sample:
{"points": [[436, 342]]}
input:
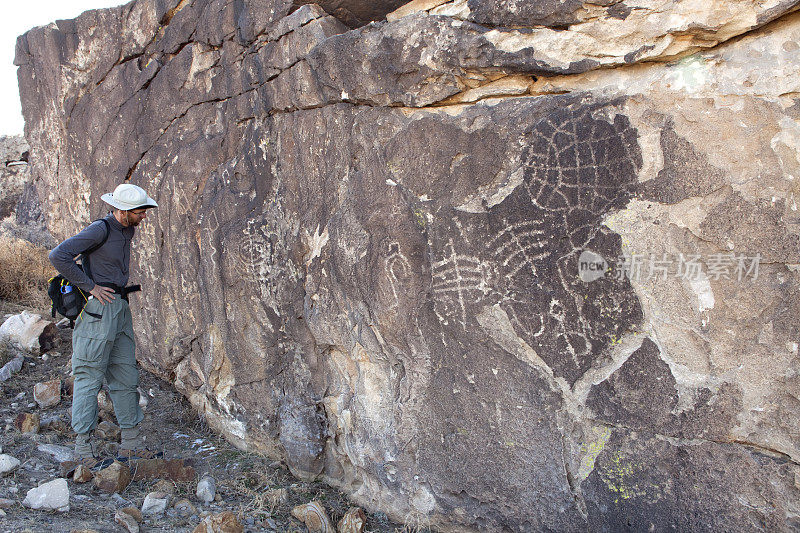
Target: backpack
{"points": [[68, 299]]}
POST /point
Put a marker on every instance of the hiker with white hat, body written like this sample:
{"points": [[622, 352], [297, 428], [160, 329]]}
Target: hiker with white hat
{"points": [[102, 341]]}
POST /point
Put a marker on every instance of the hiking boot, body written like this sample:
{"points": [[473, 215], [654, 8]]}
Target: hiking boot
{"points": [[94, 463], [138, 454], [86, 455]]}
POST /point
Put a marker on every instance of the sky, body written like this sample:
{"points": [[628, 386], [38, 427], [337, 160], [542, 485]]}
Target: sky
{"points": [[17, 18]]}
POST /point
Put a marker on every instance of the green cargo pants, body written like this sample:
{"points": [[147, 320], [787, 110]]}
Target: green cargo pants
{"points": [[104, 348]]}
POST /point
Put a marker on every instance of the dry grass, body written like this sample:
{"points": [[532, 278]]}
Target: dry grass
{"points": [[6, 352], [24, 272]]}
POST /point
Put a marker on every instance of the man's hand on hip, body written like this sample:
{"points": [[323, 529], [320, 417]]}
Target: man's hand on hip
{"points": [[104, 294]]}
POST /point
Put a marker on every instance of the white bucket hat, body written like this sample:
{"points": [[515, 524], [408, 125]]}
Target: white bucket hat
{"points": [[128, 196]]}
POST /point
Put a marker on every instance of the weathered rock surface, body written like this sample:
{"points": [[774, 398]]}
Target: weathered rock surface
{"points": [[314, 516], [82, 474], [104, 404], [185, 508], [11, 367], [14, 172], [366, 260], [206, 489], [28, 332], [21, 214], [27, 422], [108, 430], [356, 13], [225, 522], [48, 393], [60, 454], [113, 478], [353, 521], [50, 496], [8, 464], [125, 518], [155, 503]]}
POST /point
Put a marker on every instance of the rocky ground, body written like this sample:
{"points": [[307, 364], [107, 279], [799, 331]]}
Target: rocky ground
{"points": [[260, 493]]}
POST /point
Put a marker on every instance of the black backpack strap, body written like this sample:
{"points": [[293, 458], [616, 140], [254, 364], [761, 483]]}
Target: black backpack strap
{"points": [[87, 268], [97, 246]]}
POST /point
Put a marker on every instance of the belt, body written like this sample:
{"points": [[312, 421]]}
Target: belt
{"points": [[122, 291]]}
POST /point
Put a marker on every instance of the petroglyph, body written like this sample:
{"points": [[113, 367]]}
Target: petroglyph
{"points": [[394, 264], [575, 160], [520, 246], [314, 243], [578, 162], [256, 255], [458, 281]]}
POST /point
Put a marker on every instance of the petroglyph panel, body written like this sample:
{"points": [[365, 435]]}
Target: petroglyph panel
{"points": [[579, 162]]}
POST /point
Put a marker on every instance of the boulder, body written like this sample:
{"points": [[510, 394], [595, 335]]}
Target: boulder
{"points": [[8, 464], [27, 422], [48, 393], [357, 13], [224, 522], [50, 496], [21, 214], [314, 516], [206, 489], [353, 521], [155, 503], [471, 264], [29, 332], [113, 478]]}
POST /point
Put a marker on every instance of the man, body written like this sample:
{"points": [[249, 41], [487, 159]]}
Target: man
{"points": [[102, 341]]}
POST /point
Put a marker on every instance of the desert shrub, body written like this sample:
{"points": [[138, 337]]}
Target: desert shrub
{"points": [[24, 272]]}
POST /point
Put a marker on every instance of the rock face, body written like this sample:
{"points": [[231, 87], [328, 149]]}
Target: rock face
{"points": [[356, 13], [21, 214], [14, 172], [445, 261]]}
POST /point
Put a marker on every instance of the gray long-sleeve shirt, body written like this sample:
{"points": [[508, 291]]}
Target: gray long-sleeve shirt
{"points": [[109, 264]]}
